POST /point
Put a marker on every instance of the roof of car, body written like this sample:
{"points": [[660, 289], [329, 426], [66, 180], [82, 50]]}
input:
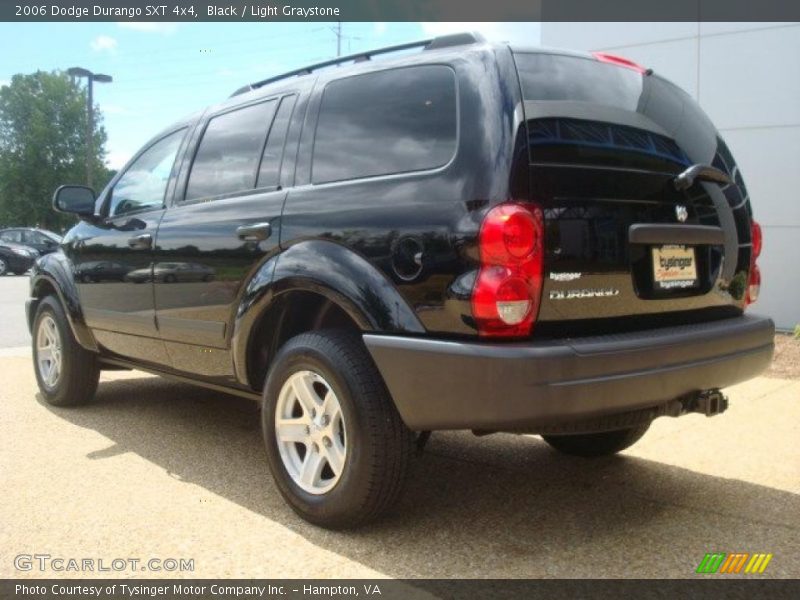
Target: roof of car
{"points": [[350, 63], [427, 45]]}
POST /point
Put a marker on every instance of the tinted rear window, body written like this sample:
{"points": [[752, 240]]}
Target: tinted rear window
{"points": [[557, 77], [388, 122]]}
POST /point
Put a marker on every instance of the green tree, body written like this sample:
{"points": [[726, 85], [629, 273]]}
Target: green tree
{"points": [[43, 145]]}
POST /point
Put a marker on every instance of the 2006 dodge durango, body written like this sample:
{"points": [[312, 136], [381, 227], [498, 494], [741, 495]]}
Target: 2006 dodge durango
{"points": [[469, 236]]}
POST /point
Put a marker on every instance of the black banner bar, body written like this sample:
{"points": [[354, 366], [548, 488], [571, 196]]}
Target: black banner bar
{"points": [[729, 587], [399, 10]]}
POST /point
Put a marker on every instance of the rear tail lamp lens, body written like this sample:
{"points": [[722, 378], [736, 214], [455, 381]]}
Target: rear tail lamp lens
{"points": [[754, 279], [507, 292], [755, 238], [754, 285]]}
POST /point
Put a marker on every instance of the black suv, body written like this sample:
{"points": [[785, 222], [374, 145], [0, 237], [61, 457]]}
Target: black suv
{"points": [[470, 236]]}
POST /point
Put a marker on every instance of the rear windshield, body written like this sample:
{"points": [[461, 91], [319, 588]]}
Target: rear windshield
{"points": [[574, 78], [587, 112]]}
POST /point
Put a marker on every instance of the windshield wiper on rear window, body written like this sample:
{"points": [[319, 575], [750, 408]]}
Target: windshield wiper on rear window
{"points": [[700, 172]]}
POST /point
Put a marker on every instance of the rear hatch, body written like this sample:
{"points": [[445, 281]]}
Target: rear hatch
{"points": [[625, 248]]}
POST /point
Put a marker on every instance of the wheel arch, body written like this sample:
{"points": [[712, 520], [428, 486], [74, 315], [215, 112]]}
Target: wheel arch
{"points": [[312, 285], [51, 275]]}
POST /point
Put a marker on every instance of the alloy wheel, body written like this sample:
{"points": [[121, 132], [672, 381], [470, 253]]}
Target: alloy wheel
{"points": [[48, 351], [310, 432]]}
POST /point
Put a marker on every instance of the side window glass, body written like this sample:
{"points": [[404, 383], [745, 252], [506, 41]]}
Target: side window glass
{"points": [[393, 121], [228, 156], [144, 184], [270, 169], [11, 236]]}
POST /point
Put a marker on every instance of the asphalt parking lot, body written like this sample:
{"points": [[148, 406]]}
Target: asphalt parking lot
{"points": [[160, 469]]}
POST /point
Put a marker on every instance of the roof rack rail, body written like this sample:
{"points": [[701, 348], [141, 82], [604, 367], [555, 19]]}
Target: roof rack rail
{"points": [[445, 41]]}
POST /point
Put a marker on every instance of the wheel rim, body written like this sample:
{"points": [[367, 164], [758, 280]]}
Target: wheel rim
{"points": [[48, 351], [3, 267], [310, 432]]}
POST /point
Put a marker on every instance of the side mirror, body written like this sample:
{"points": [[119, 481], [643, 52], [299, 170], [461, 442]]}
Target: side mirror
{"points": [[74, 199]]}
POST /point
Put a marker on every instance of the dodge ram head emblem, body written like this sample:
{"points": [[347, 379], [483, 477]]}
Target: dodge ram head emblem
{"points": [[681, 213]]}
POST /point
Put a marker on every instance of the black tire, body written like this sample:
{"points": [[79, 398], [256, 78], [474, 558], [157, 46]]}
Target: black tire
{"points": [[378, 444], [591, 445], [79, 373]]}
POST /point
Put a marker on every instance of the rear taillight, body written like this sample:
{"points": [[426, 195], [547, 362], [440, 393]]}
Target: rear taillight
{"points": [[754, 279], [508, 288], [754, 285], [619, 61], [755, 239]]}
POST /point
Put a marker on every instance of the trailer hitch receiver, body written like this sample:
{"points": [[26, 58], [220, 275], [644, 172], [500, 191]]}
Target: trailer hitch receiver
{"points": [[710, 403]]}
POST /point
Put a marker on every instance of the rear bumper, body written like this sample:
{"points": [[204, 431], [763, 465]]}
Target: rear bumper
{"points": [[474, 385]]}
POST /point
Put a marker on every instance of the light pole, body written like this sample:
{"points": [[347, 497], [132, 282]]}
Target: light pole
{"points": [[91, 78]]}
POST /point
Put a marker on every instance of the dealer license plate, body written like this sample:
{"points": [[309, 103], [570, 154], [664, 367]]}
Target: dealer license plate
{"points": [[674, 267]]}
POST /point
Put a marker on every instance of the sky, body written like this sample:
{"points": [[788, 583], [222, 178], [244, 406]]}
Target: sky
{"points": [[163, 71]]}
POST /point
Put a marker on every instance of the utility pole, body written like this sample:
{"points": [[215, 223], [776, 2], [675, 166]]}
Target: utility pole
{"points": [[337, 31], [91, 78]]}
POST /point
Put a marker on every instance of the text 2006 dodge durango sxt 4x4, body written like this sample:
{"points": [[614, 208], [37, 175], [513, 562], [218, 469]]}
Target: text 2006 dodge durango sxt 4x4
{"points": [[472, 236]]}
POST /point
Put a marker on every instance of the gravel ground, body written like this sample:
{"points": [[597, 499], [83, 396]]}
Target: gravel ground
{"points": [[786, 363], [159, 469]]}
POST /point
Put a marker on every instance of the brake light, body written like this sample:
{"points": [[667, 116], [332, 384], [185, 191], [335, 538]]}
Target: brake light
{"points": [[754, 278], [508, 288], [619, 61], [755, 239]]}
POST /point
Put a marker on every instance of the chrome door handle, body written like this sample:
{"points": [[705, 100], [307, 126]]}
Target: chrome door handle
{"points": [[256, 232], [143, 241]]}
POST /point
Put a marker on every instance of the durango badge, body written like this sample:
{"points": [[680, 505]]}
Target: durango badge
{"points": [[583, 293]]}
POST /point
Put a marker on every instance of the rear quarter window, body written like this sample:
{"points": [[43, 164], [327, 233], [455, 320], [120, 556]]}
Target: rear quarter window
{"points": [[388, 122]]}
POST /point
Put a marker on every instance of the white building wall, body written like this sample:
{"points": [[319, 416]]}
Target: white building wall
{"points": [[746, 76]]}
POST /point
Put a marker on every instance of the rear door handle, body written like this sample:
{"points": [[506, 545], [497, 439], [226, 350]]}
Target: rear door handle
{"points": [[257, 232], [143, 241]]}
